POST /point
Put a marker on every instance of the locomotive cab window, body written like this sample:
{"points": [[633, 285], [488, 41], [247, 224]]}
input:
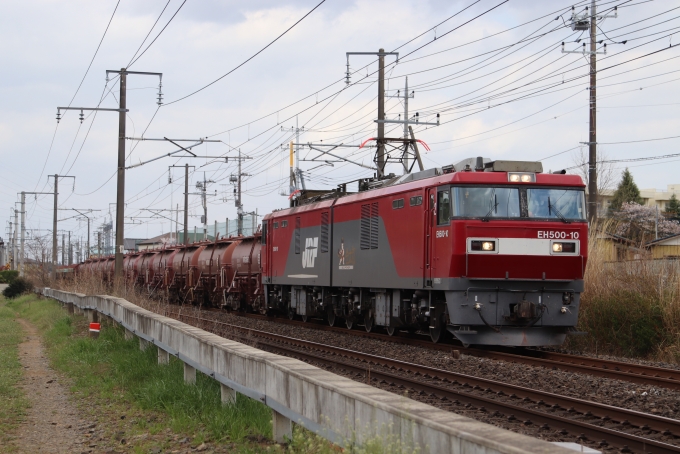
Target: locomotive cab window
{"points": [[417, 200], [486, 202], [284, 224], [276, 225], [443, 207], [264, 232], [556, 203]]}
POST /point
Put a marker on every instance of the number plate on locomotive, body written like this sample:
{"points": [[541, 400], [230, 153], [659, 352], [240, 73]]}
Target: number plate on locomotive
{"points": [[552, 234]]}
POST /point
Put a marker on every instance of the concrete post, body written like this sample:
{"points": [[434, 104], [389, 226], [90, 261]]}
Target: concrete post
{"points": [[128, 334], [189, 374], [71, 311], [281, 427], [92, 315], [163, 356], [143, 344], [228, 395]]}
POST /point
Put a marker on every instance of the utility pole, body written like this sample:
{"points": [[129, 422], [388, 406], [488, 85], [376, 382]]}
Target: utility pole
{"points": [[186, 201], [406, 96], [583, 22], [16, 236], [99, 244], [296, 181], [120, 196], [10, 248], [55, 245], [23, 228], [203, 187], [82, 211], [380, 154], [239, 204], [63, 249], [381, 113], [381, 140], [592, 138], [70, 249]]}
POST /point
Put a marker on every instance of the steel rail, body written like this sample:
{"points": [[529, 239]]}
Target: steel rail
{"points": [[605, 412], [635, 373]]}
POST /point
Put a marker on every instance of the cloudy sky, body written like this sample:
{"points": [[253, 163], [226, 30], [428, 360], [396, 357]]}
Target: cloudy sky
{"points": [[492, 69]]}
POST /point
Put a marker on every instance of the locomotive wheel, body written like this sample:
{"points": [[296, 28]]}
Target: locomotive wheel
{"points": [[349, 322], [331, 317], [437, 332], [304, 318], [291, 314], [368, 323], [391, 330]]}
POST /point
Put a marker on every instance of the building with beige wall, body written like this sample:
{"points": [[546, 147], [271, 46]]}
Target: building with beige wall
{"points": [[650, 197], [665, 248]]}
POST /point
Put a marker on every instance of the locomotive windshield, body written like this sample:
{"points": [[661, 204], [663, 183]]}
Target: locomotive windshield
{"points": [[556, 203], [476, 202], [512, 202]]}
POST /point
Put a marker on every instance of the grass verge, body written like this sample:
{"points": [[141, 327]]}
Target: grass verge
{"points": [[12, 401], [116, 378], [116, 381]]}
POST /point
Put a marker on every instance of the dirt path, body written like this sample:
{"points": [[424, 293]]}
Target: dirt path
{"points": [[52, 423]]}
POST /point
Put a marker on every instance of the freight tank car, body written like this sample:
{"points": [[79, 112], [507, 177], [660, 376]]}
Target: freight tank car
{"points": [[493, 253]]}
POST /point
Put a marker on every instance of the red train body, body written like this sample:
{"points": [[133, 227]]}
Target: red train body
{"points": [[491, 252]]}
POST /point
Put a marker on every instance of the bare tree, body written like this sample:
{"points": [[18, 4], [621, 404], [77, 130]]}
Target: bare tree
{"points": [[606, 173], [39, 248]]}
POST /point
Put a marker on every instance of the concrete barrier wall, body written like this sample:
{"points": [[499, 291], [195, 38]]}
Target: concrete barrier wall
{"points": [[337, 408]]}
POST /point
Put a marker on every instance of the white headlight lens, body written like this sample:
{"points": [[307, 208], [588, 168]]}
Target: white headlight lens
{"points": [[488, 246], [523, 177], [557, 247]]}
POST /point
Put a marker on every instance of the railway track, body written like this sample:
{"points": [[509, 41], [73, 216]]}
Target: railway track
{"points": [[597, 424], [635, 373]]}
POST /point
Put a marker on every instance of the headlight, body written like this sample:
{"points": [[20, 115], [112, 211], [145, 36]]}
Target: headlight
{"points": [[479, 245], [524, 177], [564, 247], [488, 245]]}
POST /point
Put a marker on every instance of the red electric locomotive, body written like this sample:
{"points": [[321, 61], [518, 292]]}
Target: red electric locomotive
{"points": [[491, 252]]}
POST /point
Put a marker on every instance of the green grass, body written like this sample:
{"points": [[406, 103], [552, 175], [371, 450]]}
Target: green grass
{"points": [[12, 401], [114, 374], [114, 369]]}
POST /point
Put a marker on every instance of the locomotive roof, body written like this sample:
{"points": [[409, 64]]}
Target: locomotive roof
{"points": [[438, 178]]}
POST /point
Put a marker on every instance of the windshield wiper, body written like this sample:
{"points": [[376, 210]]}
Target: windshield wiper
{"points": [[495, 206], [557, 212]]}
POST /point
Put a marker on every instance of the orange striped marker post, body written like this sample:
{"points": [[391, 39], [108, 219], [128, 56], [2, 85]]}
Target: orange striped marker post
{"points": [[94, 330]]}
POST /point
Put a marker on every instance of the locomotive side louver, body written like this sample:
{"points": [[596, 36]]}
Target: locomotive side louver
{"points": [[365, 226], [297, 235], [374, 225], [369, 226], [324, 231]]}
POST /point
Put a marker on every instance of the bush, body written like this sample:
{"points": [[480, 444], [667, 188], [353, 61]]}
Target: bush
{"points": [[17, 287], [8, 276]]}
